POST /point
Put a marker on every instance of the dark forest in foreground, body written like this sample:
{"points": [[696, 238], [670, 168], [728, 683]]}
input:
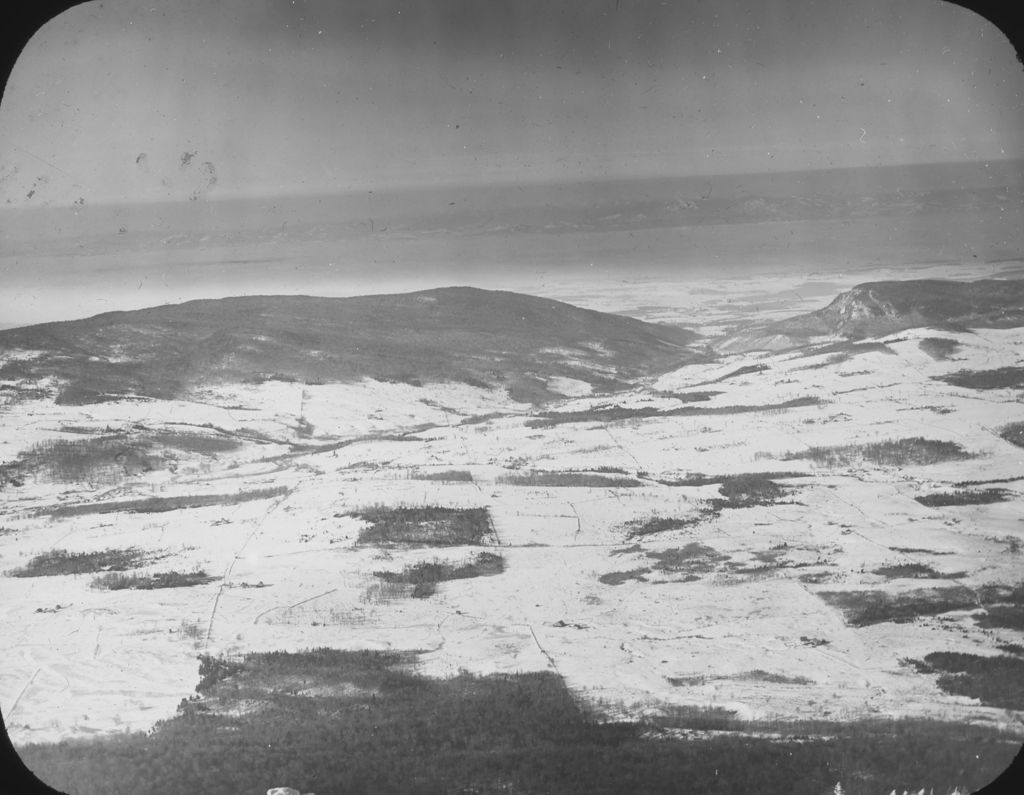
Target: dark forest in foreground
{"points": [[331, 722]]}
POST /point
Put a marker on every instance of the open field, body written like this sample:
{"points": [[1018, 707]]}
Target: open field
{"points": [[816, 539]]}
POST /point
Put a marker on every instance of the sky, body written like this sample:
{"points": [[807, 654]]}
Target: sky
{"points": [[130, 101]]}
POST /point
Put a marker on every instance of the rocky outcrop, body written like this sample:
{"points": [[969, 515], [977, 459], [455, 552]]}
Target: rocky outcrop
{"points": [[882, 307], [874, 309]]}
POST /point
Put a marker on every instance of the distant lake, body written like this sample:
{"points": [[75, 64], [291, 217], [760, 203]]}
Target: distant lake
{"points": [[61, 263]]}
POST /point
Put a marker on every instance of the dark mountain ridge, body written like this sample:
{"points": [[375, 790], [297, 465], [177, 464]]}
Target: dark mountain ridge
{"points": [[458, 334], [877, 308], [874, 309]]}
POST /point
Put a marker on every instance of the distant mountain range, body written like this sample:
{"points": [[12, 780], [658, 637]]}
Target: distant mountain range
{"points": [[877, 308], [456, 334], [460, 334], [677, 212]]}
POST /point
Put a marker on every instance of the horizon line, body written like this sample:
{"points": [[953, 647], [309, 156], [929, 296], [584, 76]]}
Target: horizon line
{"points": [[498, 182]]}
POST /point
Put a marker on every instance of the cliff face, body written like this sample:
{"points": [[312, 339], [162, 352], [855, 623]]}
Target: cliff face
{"points": [[868, 308], [877, 308], [882, 307], [861, 304]]}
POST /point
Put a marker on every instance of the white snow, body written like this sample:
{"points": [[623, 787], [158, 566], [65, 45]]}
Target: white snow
{"points": [[80, 660]]}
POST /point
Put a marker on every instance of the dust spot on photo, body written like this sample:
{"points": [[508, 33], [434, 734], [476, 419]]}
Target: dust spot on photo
{"points": [[209, 174]]}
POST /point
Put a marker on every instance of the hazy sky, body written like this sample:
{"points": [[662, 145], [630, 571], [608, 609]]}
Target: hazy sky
{"points": [[123, 100]]}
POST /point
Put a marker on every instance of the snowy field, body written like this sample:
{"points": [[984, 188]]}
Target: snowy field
{"points": [[724, 608]]}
